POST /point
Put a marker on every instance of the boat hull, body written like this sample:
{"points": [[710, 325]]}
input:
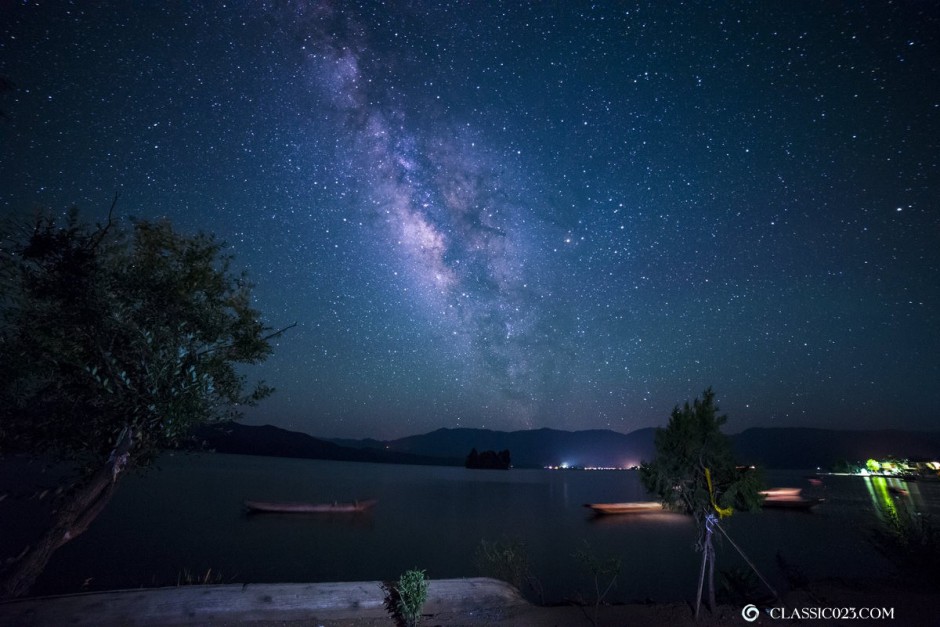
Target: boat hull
{"points": [[788, 498], [309, 508], [610, 509]]}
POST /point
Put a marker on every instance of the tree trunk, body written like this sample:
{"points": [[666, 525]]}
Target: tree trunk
{"points": [[78, 511]]}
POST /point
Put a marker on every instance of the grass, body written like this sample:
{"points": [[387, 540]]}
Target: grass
{"points": [[187, 578], [508, 560]]}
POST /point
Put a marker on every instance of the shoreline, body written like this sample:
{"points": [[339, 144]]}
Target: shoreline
{"points": [[471, 601]]}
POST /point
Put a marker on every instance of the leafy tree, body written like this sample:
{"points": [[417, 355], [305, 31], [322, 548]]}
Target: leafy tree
{"points": [[695, 473], [114, 342]]}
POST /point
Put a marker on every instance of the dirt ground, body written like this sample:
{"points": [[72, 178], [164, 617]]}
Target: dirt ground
{"points": [[898, 604], [910, 607], [633, 615]]}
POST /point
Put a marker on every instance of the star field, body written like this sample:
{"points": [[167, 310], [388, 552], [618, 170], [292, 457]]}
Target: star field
{"points": [[522, 215]]}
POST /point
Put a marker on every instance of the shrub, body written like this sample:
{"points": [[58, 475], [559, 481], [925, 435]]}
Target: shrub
{"points": [[405, 598], [507, 560]]}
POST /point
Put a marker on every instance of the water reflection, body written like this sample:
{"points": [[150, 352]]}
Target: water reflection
{"points": [[191, 516], [884, 490], [278, 522], [647, 518]]}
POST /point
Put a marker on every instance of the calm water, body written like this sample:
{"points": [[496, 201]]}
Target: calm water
{"points": [[189, 516]]}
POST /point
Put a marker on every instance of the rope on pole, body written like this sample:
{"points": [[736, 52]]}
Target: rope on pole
{"points": [[749, 563]]}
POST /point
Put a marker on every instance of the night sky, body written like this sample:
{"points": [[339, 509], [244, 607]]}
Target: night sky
{"points": [[522, 215]]}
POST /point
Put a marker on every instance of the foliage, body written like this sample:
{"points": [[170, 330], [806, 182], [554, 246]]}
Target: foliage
{"points": [[110, 329], [741, 586], [488, 460], [602, 571], [694, 472], [845, 466], [188, 578], [405, 598], [507, 560], [115, 341], [911, 541], [691, 443]]}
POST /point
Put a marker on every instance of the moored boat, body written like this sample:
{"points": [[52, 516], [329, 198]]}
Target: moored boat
{"points": [[788, 498], [636, 507], [782, 493], [309, 508]]}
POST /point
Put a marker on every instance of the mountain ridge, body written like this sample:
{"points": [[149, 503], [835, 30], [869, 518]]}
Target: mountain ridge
{"points": [[772, 447]]}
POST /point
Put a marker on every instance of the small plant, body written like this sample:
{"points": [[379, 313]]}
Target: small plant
{"points": [[911, 541], [187, 578], [405, 598], [741, 586], [508, 561], [602, 570]]}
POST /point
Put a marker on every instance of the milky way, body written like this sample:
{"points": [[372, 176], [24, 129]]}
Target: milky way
{"points": [[442, 215], [522, 215]]}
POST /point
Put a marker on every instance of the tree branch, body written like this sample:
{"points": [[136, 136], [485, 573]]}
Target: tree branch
{"points": [[103, 230], [270, 336], [278, 332]]}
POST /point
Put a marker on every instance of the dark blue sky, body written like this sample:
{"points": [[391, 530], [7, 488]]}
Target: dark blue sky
{"points": [[521, 215]]}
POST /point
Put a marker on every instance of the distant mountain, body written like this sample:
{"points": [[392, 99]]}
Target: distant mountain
{"points": [[231, 437], [530, 449], [772, 448]]}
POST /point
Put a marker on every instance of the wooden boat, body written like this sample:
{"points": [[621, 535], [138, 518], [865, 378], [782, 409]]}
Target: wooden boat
{"points": [[781, 493], [788, 498], [309, 508], [637, 507]]}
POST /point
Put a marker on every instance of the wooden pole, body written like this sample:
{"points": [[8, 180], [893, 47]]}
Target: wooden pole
{"points": [[701, 581], [711, 572]]}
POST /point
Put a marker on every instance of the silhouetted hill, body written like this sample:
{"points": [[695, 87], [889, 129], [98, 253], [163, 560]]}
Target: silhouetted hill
{"points": [[532, 448], [231, 437], [772, 448], [786, 447]]}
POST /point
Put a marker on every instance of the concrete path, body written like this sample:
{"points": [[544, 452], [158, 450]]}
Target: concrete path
{"points": [[219, 604]]}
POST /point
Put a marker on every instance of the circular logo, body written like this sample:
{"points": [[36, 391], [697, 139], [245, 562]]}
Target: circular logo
{"points": [[750, 613]]}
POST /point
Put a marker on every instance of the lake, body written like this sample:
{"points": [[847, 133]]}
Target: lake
{"points": [[188, 516]]}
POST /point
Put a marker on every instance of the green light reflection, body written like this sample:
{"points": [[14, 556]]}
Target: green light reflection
{"points": [[880, 497]]}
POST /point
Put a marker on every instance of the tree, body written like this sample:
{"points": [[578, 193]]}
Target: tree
{"points": [[695, 473], [488, 460], [116, 341], [473, 458]]}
